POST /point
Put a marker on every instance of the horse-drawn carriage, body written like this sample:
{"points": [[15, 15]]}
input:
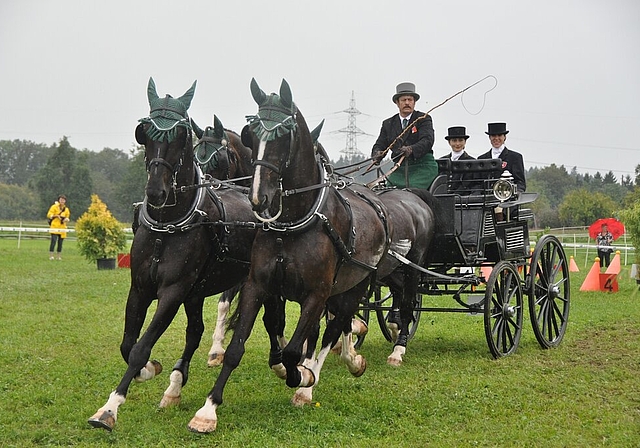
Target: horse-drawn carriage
{"points": [[481, 256], [321, 241]]}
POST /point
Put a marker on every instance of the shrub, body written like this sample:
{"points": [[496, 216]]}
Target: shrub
{"points": [[99, 234], [631, 219]]}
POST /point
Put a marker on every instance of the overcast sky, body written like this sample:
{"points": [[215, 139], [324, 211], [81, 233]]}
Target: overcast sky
{"points": [[568, 72]]}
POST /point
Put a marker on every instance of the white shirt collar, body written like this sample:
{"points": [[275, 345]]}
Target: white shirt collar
{"points": [[408, 118], [456, 155], [495, 152]]}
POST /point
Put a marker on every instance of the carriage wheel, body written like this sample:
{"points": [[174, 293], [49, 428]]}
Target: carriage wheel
{"points": [[503, 309], [549, 291], [382, 312]]}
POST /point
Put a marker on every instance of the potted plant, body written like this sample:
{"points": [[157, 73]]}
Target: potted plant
{"points": [[100, 235], [631, 219]]}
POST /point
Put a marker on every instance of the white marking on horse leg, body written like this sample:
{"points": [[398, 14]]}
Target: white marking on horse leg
{"points": [[171, 396], [356, 363], [216, 354], [303, 396], [107, 415], [282, 341], [255, 200], [206, 419], [280, 371], [149, 371], [358, 327], [395, 358]]}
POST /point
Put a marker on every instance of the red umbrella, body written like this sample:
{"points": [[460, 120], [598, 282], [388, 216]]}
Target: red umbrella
{"points": [[615, 227]]}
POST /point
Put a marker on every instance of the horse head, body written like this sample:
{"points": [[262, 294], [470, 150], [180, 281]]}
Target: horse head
{"points": [[166, 136], [213, 151], [278, 137]]}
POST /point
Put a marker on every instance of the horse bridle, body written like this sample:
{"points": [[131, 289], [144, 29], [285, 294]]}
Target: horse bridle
{"points": [[175, 168], [221, 148]]}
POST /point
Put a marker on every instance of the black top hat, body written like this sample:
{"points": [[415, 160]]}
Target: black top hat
{"points": [[405, 88], [457, 132], [497, 129]]}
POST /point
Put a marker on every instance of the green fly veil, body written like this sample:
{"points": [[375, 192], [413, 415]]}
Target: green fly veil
{"points": [[167, 114]]}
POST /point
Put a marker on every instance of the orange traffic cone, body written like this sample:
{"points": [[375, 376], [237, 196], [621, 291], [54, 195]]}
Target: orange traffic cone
{"points": [[614, 266], [573, 267], [592, 281]]}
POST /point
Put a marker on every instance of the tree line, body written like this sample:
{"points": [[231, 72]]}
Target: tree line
{"points": [[32, 175]]}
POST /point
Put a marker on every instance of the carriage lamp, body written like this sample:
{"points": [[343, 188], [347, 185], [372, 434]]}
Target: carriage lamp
{"points": [[504, 188]]}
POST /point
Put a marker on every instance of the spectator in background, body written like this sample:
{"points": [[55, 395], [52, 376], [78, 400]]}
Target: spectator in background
{"points": [[58, 216], [604, 240]]}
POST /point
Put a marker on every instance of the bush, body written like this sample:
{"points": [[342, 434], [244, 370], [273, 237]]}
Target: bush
{"points": [[631, 219], [99, 234]]}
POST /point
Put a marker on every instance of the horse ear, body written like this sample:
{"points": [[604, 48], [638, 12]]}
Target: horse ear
{"points": [[315, 134], [258, 95], [218, 129], [285, 93], [199, 132], [188, 95], [245, 137], [152, 94], [141, 137]]}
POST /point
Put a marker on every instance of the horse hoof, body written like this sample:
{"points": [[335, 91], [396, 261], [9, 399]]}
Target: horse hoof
{"points": [[202, 425], [393, 361], [106, 420], [280, 371], [300, 398], [168, 401], [215, 360], [363, 367], [157, 366]]}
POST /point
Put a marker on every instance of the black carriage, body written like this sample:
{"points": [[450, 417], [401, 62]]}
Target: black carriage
{"points": [[486, 230]]}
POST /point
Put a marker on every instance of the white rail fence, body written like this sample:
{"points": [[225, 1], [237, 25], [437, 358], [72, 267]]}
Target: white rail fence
{"points": [[572, 239]]}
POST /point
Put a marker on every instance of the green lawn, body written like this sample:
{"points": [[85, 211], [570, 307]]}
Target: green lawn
{"points": [[61, 326]]}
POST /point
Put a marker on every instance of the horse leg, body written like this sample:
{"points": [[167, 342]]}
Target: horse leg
{"points": [[341, 308], [274, 322], [408, 292], [216, 353], [310, 313], [206, 419], [304, 394], [138, 358], [180, 373]]}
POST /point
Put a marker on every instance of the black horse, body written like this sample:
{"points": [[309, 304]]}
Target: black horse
{"points": [[321, 245], [221, 154], [181, 252]]}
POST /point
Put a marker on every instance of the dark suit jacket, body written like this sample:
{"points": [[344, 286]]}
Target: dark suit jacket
{"points": [[513, 162], [420, 137]]}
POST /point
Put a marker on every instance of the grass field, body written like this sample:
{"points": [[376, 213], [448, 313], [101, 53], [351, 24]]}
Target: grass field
{"points": [[61, 326]]}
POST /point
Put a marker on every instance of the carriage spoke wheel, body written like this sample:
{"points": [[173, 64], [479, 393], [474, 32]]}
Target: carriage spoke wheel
{"points": [[549, 291], [503, 309], [384, 305]]}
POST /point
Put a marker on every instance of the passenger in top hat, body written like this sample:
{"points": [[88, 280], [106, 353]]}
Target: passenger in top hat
{"points": [[457, 138], [419, 167], [512, 161]]}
